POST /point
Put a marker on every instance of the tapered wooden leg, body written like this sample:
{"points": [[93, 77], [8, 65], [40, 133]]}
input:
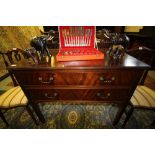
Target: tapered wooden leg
{"points": [[3, 118], [31, 114], [118, 115], [37, 110], [128, 115]]}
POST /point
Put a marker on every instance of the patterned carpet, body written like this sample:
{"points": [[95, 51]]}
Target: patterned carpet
{"points": [[73, 116], [76, 116]]}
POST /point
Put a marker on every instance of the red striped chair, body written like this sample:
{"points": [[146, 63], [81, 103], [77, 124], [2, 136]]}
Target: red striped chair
{"points": [[14, 97]]}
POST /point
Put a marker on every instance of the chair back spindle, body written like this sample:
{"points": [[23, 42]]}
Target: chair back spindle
{"points": [[11, 57]]}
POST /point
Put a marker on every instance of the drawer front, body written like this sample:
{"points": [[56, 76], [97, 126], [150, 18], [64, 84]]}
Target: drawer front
{"points": [[35, 77], [83, 78], [87, 78], [77, 94]]}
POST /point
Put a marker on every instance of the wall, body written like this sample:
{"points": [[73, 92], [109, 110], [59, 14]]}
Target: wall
{"points": [[133, 28], [41, 28], [17, 36]]}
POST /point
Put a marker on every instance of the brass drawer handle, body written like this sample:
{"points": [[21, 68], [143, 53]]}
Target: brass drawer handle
{"points": [[107, 81], [102, 96], [51, 97], [45, 82]]}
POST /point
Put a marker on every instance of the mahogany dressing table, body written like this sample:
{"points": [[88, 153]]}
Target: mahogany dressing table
{"points": [[93, 81]]}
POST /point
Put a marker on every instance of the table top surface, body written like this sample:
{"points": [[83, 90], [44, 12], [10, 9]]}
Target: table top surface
{"points": [[126, 63]]}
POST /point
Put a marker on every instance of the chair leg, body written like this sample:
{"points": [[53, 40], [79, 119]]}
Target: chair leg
{"points": [[3, 118], [38, 112], [31, 114], [128, 115]]}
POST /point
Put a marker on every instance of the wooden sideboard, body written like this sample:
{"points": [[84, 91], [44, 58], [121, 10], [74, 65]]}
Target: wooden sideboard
{"points": [[94, 81]]}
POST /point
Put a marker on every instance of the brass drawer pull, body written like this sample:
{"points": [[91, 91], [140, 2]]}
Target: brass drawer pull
{"points": [[45, 82], [102, 96], [107, 81], [51, 97]]}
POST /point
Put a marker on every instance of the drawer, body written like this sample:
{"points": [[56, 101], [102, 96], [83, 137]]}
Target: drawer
{"points": [[35, 77], [77, 94], [83, 78]]}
